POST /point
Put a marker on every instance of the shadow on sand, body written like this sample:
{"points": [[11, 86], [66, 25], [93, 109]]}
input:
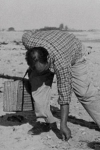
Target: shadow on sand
{"points": [[74, 120], [94, 145], [18, 118]]}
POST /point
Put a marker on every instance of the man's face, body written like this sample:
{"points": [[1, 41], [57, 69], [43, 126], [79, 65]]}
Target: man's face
{"points": [[40, 67]]}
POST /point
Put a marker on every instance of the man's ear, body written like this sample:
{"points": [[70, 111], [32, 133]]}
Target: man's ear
{"points": [[48, 59]]}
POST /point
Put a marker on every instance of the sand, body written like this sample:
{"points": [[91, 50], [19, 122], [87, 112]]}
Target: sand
{"points": [[14, 134]]}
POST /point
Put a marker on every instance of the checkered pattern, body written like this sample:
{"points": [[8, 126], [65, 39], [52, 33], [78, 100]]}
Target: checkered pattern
{"points": [[64, 50]]}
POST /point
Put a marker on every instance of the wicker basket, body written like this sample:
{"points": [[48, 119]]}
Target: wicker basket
{"points": [[17, 96]]}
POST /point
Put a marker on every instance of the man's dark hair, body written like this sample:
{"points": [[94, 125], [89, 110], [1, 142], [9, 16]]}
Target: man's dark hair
{"points": [[36, 54]]}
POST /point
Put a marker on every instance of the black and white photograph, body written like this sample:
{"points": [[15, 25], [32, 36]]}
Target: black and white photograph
{"points": [[49, 74]]}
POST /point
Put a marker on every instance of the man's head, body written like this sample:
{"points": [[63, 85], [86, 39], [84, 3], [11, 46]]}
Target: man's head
{"points": [[37, 58]]}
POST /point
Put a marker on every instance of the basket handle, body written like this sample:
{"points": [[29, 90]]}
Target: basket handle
{"points": [[23, 91]]}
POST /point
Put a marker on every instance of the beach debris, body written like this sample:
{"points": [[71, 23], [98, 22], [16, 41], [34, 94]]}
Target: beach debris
{"points": [[90, 47], [3, 43]]}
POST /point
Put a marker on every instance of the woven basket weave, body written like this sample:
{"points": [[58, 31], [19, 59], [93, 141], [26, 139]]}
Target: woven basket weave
{"points": [[16, 97]]}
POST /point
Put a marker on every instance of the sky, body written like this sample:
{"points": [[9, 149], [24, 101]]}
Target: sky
{"points": [[35, 14]]}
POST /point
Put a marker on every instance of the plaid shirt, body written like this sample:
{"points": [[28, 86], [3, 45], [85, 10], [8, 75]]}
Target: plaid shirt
{"points": [[64, 50]]}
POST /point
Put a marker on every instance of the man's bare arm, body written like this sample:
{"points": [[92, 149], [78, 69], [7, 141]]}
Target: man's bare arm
{"points": [[65, 131]]}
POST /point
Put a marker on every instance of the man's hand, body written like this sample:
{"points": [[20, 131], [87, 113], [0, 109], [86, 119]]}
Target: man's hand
{"points": [[65, 132]]}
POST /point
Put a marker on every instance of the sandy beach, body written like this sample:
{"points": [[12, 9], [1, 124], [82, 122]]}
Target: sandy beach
{"points": [[14, 133]]}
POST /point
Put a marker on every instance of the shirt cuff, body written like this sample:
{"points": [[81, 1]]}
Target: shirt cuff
{"points": [[64, 102]]}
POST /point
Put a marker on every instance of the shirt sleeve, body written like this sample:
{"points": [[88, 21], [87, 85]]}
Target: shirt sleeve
{"points": [[80, 49], [64, 85]]}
